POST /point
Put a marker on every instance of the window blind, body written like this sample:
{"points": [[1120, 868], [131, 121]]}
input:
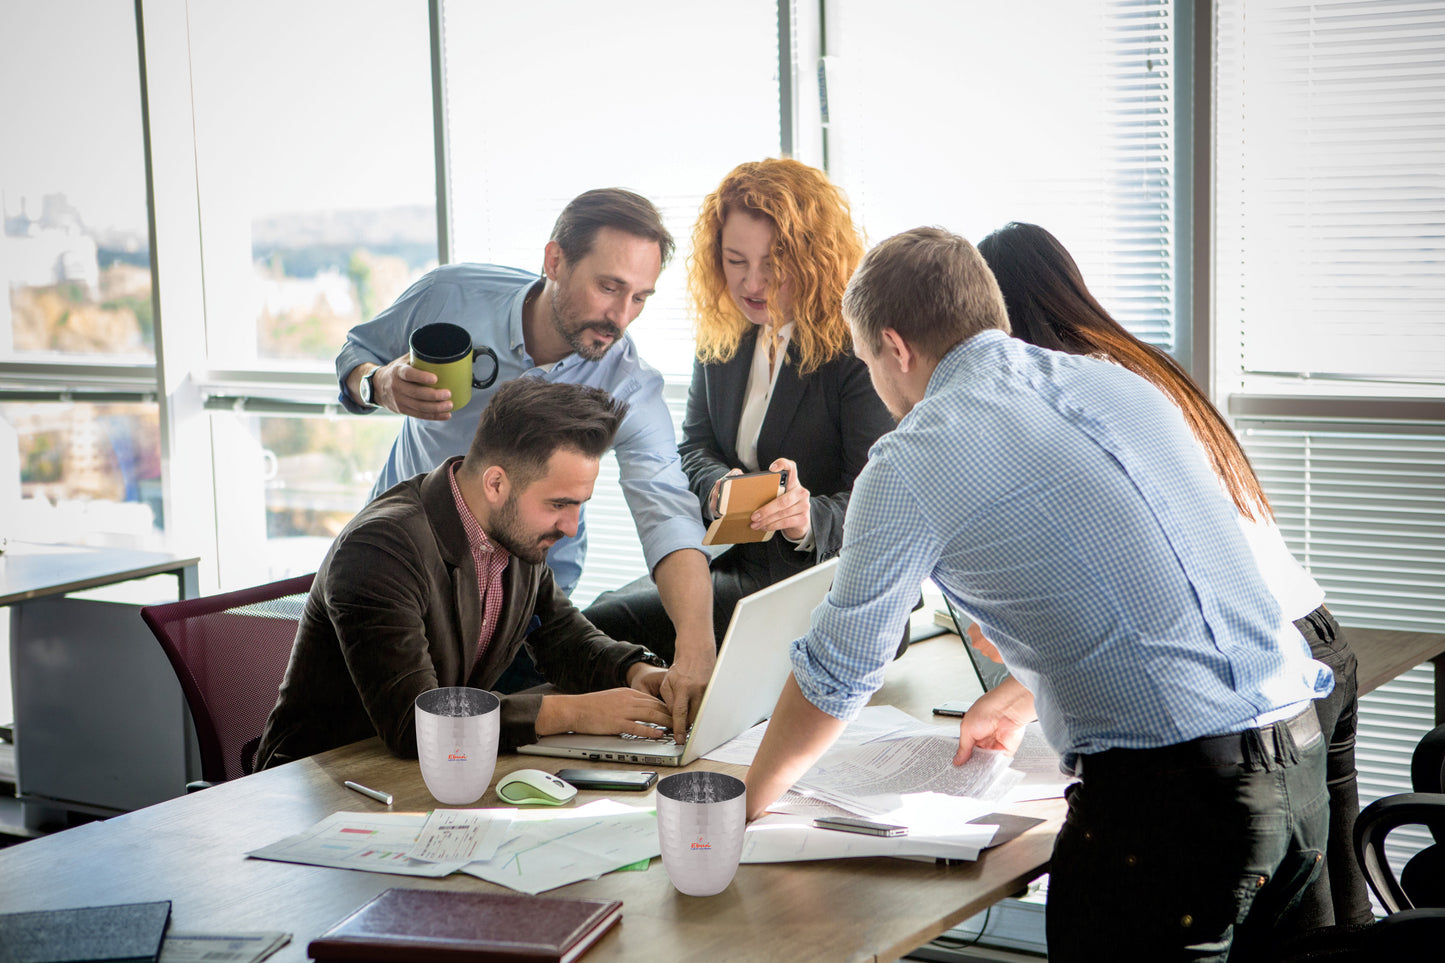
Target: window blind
{"points": [[1330, 200], [1329, 281], [1363, 508], [985, 115], [614, 554]]}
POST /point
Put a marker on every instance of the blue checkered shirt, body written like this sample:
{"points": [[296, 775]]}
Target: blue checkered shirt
{"points": [[1062, 503]]}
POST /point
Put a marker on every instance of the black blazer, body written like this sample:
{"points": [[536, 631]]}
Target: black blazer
{"points": [[825, 422]]}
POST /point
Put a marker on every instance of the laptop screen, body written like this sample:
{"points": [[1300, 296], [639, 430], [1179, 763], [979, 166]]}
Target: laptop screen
{"points": [[989, 672]]}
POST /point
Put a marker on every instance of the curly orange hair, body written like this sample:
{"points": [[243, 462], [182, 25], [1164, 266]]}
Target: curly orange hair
{"points": [[815, 245]]}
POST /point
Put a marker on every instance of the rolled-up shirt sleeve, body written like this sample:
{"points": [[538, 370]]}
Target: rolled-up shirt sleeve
{"points": [[385, 337], [663, 508], [889, 547]]}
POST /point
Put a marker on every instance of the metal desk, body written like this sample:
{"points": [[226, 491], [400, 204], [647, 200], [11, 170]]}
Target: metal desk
{"points": [[100, 723]]}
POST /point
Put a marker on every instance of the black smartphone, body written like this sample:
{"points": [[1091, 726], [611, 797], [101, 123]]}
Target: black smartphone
{"points": [[626, 780], [851, 824]]}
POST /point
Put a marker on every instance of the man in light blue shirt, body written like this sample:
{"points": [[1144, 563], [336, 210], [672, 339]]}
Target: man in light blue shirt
{"points": [[600, 266], [1062, 504]]}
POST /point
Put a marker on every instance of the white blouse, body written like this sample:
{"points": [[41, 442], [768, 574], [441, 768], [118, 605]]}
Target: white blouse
{"points": [[759, 393]]}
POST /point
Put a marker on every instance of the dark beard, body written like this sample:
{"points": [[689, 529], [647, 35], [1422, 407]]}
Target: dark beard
{"points": [[506, 534], [573, 335]]}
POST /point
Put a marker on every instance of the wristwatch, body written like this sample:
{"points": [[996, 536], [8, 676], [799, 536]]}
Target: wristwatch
{"points": [[651, 658], [365, 389]]}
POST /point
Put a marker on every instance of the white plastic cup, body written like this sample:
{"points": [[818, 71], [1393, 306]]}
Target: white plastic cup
{"points": [[456, 741], [701, 817]]}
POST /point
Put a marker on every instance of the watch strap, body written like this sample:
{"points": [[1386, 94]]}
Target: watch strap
{"points": [[368, 388]]}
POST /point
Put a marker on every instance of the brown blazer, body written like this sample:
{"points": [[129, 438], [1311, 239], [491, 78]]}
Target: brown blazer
{"points": [[395, 611]]}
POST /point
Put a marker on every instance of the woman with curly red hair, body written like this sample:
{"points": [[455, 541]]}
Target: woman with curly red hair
{"points": [[775, 385]]}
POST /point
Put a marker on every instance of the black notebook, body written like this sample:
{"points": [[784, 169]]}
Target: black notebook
{"points": [[125, 933]]}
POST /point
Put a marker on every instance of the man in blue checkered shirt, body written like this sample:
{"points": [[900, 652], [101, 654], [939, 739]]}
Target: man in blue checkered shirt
{"points": [[1062, 503]]}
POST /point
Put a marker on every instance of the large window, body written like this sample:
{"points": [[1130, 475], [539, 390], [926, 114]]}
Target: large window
{"points": [[1329, 270], [663, 101], [82, 473], [971, 115], [313, 142], [75, 247], [1330, 203], [75, 261]]}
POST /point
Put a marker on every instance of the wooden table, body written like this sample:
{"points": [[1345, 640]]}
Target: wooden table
{"points": [[191, 851], [1386, 654]]}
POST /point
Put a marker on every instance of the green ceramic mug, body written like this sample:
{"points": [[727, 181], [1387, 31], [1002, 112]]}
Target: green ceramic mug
{"points": [[446, 351]]}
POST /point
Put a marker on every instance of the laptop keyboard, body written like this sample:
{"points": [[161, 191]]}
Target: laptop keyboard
{"points": [[663, 737]]}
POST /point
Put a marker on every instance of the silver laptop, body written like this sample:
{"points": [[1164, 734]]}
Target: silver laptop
{"points": [[990, 674], [752, 667]]}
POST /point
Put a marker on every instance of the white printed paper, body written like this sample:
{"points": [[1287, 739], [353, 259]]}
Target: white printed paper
{"points": [[452, 835], [782, 838], [873, 723], [545, 850], [373, 842], [1039, 763], [221, 948], [914, 764]]}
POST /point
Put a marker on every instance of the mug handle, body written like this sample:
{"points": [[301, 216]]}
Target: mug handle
{"points": [[490, 379]]}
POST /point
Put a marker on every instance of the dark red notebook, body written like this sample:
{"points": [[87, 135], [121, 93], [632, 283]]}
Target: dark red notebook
{"points": [[426, 925]]}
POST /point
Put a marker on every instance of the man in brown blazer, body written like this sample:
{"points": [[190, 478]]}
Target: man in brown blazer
{"points": [[441, 579]]}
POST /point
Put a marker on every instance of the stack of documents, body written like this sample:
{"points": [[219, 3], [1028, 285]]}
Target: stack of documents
{"points": [[531, 852], [892, 768]]}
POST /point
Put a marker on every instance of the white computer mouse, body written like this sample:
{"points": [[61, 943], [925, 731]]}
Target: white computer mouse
{"points": [[533, 787]]}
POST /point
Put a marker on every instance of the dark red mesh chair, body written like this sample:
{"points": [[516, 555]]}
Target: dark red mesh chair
{"points": [[230, 653]]}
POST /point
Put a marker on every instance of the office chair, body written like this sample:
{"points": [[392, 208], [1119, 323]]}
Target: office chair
{"points": [[229, 653], [1414, 903], [1421, 881]]}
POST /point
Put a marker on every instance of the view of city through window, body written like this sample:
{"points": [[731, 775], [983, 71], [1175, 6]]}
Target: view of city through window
{"points": [[75, 261], [74, 288], [75, 245]]}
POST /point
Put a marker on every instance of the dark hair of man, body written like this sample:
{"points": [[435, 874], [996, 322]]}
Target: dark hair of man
{"points": [[529, 419], [1050, 306], [588, 213], [930, 286]]}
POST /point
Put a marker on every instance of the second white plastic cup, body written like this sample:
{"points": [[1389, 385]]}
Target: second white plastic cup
{"points": [[701, 817]]}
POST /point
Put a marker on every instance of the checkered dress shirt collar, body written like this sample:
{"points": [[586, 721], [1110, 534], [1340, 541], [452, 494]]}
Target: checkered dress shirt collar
{"points": [[491, 561]]}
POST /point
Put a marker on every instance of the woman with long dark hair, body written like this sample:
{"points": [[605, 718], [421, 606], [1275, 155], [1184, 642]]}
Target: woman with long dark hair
{"points": [[1049, 305]]}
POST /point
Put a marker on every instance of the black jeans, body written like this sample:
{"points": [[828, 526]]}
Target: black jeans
{"points": [[1339, 895], [1195, 852]]}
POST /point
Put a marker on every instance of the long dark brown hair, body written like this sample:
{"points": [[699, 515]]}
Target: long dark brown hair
{"points": [[1050, 306]]}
